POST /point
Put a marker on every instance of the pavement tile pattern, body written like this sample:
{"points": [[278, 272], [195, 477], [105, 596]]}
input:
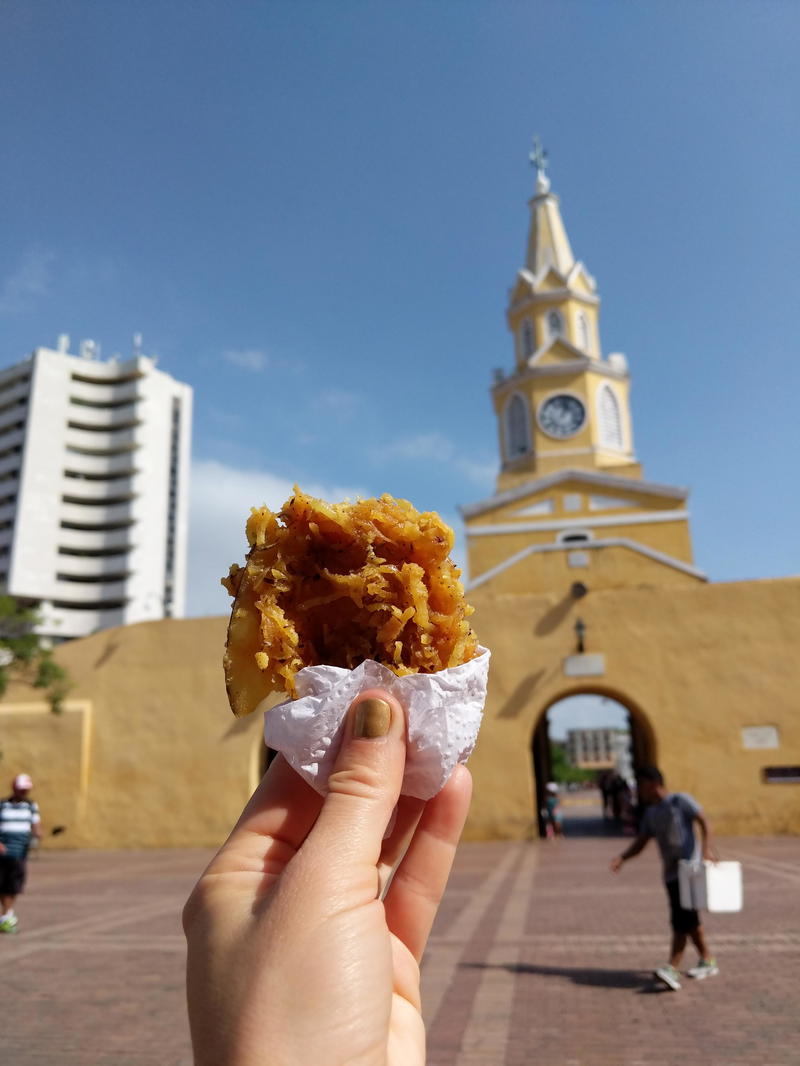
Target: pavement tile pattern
{"points": [[539, 956]]}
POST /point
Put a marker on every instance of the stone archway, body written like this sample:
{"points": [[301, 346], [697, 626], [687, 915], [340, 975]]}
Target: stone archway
{"points": [[643, 739]]}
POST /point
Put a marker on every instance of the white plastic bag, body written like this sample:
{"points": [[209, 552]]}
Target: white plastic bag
{"points": [[710, 886]]}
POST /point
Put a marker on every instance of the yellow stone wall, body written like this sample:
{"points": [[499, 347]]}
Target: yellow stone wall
{"points": [[696, 664], [147, 752], [32, 738]]}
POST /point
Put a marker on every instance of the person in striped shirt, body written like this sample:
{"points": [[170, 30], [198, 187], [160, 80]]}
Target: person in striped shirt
{"points": [[19, 824]]}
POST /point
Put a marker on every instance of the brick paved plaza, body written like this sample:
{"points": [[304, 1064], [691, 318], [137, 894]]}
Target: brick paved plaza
{"points": [[540, 956]]}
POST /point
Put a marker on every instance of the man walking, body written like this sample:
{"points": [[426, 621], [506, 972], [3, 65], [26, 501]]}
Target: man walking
{"points": [[19, 824], [670, 818]]}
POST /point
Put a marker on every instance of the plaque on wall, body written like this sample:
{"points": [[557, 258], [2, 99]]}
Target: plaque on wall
{"points": [[577, 559], [759, 737], [585, 665]]}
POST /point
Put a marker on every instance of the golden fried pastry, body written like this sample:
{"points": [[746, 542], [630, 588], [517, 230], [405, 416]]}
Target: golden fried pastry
{"points": [[336, 584]]}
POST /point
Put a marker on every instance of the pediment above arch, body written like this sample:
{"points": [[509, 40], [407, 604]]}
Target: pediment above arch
{"points": [[591, 482]]}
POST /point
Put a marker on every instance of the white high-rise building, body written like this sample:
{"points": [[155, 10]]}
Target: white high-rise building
{"points": [[595, 749], [94, 487]]}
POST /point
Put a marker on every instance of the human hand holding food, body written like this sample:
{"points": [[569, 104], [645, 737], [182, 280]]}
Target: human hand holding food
{"points": [[293, 957]]}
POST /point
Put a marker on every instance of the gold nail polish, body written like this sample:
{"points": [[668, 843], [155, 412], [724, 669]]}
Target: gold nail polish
{"points": [[373, 718]]}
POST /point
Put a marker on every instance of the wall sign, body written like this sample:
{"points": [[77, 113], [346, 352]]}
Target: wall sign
{"points": [[585, 665], [759, 737]]}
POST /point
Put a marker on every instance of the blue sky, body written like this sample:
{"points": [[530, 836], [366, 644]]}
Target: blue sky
{"points": [[313, 212]]}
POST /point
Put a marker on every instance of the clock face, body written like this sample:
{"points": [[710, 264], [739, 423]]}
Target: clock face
{"points": [[562, 416]]}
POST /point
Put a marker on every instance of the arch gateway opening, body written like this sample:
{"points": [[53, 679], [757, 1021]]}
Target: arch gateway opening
{"points": [[590, 742]]}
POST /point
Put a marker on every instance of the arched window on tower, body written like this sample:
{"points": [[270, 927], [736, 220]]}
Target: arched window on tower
{"points": [[583, 332], [528, 342], [517, 436], [609, 418], [555, 324]]}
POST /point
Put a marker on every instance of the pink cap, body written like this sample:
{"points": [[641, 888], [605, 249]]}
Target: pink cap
{"points": [[22, 781]]}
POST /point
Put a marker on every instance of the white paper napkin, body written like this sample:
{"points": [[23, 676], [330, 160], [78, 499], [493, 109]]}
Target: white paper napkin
{"points": [[443, 713]]}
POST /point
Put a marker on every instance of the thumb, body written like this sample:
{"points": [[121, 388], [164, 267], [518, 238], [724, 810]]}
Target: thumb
{"points": [[365, 784]]}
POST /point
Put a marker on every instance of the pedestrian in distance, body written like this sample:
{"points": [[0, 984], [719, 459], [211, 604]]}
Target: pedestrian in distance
{"points": [[553, 816], [670, 817], [604, 783], [20, 824]]}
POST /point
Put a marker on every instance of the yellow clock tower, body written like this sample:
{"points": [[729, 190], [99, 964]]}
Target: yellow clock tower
{"points": [[570, 493]]}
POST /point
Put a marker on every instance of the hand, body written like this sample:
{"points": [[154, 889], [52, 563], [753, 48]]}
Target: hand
{"points": [[710, 853], [293, 957], [616, 864], [2, 849]]}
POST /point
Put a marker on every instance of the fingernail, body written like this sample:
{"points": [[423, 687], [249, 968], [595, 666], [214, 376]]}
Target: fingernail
{"points": [[373, 718]]}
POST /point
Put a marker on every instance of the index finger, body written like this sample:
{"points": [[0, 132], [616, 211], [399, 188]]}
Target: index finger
{"points": [[275, 822]]}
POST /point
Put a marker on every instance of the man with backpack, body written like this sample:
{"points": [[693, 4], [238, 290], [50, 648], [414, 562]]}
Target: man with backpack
{"points": [[670, 818], [19, 824]]}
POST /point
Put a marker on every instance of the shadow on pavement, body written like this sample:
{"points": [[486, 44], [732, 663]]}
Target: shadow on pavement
{"points": [[635, 980]]}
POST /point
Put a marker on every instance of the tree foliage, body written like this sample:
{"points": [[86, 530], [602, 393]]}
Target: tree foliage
{"points": [[562, 769], [25, 655]]}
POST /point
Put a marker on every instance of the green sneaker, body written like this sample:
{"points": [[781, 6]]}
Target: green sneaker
{"points": [[8, 924], [704, 968], [668, 976]]}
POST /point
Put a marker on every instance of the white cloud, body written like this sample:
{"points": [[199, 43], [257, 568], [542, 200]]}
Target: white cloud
{"points": [[220, 500], [424, 446], [253, 359], [27, 282], [340, 402], [436, 448], [480, 472]]}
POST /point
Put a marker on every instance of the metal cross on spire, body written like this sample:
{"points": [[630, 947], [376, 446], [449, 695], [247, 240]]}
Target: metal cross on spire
{"points": [[538, 156]]}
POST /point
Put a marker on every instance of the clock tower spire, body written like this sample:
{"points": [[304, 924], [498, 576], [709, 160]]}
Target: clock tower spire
{"points": [[564, 404], [571, 497], [548, 244]]}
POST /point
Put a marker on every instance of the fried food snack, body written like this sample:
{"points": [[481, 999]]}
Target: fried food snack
{"points": [[336, 584]]}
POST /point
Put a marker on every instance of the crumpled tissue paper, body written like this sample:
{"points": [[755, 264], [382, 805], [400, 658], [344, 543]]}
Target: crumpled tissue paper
{"points": [[443, 715]]}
